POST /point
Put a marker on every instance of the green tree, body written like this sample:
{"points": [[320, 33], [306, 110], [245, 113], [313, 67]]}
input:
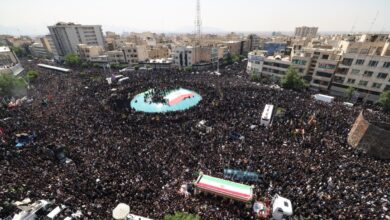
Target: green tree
{"points": [[292, 80], [255, 77], [349, 92], [235, 58], [19, 51], [32, 74], [384, 100], [188, 68], [182, 216], [72, 59], [11, 85]]}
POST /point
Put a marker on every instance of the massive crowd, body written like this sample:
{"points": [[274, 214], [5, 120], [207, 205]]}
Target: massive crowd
{"points": [[120, 155]]}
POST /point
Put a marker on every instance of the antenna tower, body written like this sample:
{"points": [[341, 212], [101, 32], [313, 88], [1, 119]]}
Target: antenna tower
{"points": [[198, 24]]}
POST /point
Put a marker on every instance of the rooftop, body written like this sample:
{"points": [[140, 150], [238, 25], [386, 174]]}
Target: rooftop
{"points": [[4, 49]]}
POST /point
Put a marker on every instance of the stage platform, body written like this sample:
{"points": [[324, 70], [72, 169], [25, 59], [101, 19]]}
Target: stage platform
{"points": [[175, 100]]}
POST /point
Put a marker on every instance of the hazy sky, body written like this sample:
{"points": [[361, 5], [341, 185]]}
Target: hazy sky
{"points": [[33, 16]]}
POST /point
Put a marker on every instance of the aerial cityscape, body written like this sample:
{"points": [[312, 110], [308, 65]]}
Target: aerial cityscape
{"points": [[139, 110]]}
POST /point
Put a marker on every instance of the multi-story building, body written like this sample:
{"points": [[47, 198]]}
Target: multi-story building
{"points": [[116, 56], [237, 47], [223, 51], [253, 42], [88, 52], [184, 56], [158, 52], [316, 65], [9, 62], [66, 37], [128, 53], [306, 31], [269, 66], [367, 74], [38, 50], [48, 43]]}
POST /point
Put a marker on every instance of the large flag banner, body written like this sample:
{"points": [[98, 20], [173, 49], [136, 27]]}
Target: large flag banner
{"points": [[226, 188]]}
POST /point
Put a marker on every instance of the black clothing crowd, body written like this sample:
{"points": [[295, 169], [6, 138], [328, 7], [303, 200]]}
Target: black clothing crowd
{"points": [[120, 155]]}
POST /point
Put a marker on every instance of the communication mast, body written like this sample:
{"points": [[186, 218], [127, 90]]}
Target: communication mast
{"points": [[198, 24]]}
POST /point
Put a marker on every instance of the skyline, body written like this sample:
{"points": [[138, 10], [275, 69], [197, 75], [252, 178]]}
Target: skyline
{"points": [[174, 16]]}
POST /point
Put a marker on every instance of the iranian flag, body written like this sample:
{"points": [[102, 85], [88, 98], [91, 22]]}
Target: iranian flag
{"points": [[225, 188], [178, 96]]}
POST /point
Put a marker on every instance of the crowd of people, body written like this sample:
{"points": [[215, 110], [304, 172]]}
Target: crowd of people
{"points": [[157, 95], [142, 159]]}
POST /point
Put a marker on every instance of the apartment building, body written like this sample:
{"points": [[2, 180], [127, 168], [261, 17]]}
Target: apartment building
{"points": [[88, 52], [368, 74], [307, 32], [158, 52], [270, 66], [66, 37], [316, 65], [128, 53], [253, 42], [9, 62], [183, 56], [48, 43], [365, 67], [38, 50], [237, 47]]}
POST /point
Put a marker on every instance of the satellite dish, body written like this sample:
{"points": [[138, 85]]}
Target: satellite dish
{"points": [[121, 211]]}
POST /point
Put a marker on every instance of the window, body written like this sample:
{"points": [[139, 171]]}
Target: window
{"points": [[326, 66], [338, 79], [299, 62], [364, 51], [386, 65], [382, 75], [387, 88], [376, 85], [355, 72], [368, 73], [325, 56], [373, 63], [353, 50], [347, 61], [351, 81], [359, 62], [323, 74], [363, 83]]}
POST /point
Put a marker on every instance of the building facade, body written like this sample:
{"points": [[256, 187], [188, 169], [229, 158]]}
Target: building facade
{"points": [[367, 74], [304, 31], [9, 62], [273, 67], [66, 37], [38, 50], [89, 53]]}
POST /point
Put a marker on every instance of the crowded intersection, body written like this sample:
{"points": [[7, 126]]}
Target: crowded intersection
{"points": [[120, 155]]}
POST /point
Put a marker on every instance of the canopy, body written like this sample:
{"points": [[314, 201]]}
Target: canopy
{"points": [[225, 188]]}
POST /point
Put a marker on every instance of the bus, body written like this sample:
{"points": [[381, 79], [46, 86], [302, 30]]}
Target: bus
{"points": [[56, 68], [266, 116]]}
